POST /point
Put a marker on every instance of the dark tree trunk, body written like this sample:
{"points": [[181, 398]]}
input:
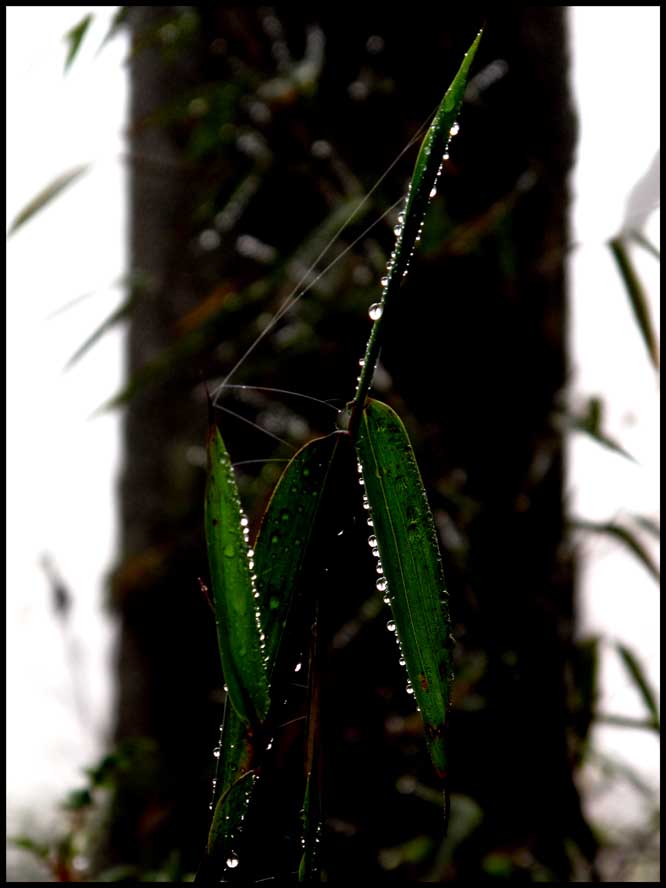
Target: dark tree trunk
{"points": [[478, 362]]}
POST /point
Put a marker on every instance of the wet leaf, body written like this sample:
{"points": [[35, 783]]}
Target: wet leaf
{"points": [[238, 631], [282, 542], [409, 553], [421, 191], [47, 195]]}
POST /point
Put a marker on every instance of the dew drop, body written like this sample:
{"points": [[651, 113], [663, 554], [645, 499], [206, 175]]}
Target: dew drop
{"points": [[382, 584], [455, 129], [446, 156], [390, 626], [397, 230], [433, 191], [298, 667], [375, 311], [410, 690], [361, 362], [380, 569], [401, 661], [244, 522], [372, 542], [216, 752], [250, 553], [371, 523], [384, 281], [232, 861]]}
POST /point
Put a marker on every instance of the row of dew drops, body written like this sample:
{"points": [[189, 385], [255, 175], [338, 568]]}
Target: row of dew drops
{"points": [[232, 860], [377, 308], [375, 312], [382, 584]]}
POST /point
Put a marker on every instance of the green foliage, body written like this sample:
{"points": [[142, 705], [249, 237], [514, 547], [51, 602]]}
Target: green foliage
{"points": [[253, 609]]}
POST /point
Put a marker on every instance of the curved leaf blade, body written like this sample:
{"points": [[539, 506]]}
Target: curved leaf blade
{"points": [[421, 191], [238, 630], [409, 553], [284, 536]]}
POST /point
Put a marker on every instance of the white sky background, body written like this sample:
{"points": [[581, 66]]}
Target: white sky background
{"points": [[61, 467]]}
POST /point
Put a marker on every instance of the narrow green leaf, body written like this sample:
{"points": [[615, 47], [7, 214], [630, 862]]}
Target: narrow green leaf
{"points": [[46, 196], [74, 38], [233, 589], [624, 536], [637, 298], [638, 677], [409, 553], [424, 179], [285, 532]]}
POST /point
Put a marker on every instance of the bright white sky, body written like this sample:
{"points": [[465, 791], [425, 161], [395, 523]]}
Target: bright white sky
{"points": [[62, 467]]}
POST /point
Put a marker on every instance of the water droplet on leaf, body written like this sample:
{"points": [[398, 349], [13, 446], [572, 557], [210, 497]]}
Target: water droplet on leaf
{"points": [[375, 311]]}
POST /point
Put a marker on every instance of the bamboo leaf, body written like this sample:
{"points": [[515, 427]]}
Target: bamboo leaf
{"points": [[421, 191], [637, 298], [638, 677], [624, 536], [46, 195], [238, 630], [285, 532], [74, 37], [409, 552]]}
